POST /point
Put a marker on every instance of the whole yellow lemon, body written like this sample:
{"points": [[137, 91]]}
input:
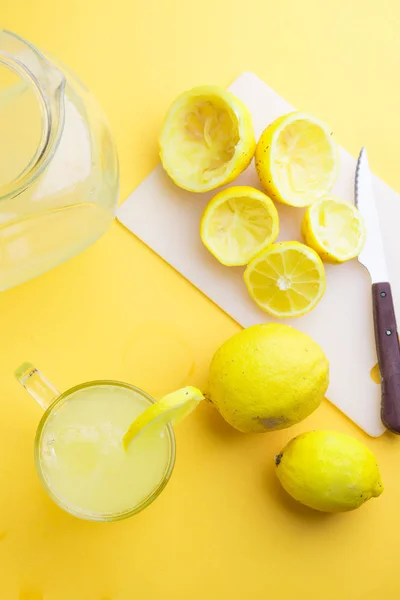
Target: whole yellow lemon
{"points": [[328, 471], [268, 377]]}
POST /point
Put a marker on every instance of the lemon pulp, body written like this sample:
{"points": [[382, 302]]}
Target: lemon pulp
{"points": [[237, 223], [286, 279]]}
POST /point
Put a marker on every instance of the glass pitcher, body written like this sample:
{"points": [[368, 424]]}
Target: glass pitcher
{"points": [[58, 164]]}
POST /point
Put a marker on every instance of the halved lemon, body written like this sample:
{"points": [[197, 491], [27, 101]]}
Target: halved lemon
{"points": [[207, 139], [286, 279], [335, 229], [171, 409], [237, 223], [297, 159]]}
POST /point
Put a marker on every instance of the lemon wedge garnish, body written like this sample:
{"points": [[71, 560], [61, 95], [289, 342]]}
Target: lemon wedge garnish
{"points": [[207, 139], [286, 279], [237, 223], [169, 410], [335, 229], [297, 159]]}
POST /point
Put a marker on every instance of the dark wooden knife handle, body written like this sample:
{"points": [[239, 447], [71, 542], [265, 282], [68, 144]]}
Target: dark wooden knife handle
{"points": [[388, 351]]}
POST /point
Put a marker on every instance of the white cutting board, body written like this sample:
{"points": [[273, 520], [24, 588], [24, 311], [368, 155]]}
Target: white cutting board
{"points": [[167, 219]]}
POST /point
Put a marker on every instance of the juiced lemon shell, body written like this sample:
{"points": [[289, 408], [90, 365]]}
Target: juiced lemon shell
{"points": [[334, 228], [207, 139], [237, 223], [297, 159]]}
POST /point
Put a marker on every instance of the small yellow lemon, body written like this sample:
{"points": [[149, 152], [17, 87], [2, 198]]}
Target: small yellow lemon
{"points": [[328, 471], [207, 139], [267, 377], [335, 229], [297, 159], [286, 279], [237, 223]]}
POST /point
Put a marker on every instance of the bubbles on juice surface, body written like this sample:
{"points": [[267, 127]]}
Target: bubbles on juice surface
{"points": [[80, 448]]}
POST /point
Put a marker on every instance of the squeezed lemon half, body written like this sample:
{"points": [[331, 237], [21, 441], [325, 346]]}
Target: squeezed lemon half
{"points": [[335, 229], [297, 159], [286, 279], [171, 409], [237, 223], [207, 139]]}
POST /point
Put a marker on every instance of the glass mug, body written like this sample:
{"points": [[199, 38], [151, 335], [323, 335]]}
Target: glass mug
{"points": [[79, 455]]}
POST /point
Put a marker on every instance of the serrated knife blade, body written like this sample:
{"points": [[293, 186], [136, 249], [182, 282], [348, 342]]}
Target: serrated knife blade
{"points": [[372, 257]]}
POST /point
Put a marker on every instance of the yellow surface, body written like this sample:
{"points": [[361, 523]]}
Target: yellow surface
{"points": [[223, 528]]}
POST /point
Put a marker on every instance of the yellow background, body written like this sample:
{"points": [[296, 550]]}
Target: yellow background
{"points": [[223, 528]]}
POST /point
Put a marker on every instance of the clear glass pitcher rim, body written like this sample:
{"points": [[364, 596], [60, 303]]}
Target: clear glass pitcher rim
{"points": [[48, 83]]}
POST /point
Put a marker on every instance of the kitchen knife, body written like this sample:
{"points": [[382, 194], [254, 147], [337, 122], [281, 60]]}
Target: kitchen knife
{"points": [[372, 257]]}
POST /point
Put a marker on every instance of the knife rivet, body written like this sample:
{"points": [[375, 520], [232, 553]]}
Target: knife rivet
{"points": [[383, 294], [388, 332]]}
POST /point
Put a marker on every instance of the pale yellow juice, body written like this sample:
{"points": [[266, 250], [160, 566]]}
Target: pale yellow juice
{"points": [[81, 459]]}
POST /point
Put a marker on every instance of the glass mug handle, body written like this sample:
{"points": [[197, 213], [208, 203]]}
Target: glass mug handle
{"points": [[38, 386]]}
